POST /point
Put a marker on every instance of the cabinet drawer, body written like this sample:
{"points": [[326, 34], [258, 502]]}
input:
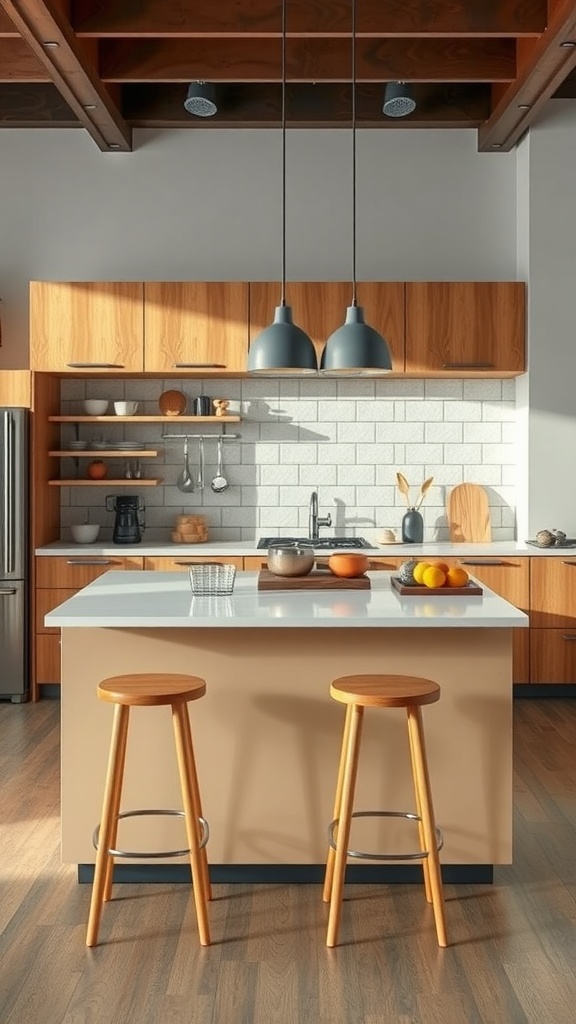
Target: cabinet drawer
{"points": [[180, 563], [553, 655], [46, 600], [47, 659], [77, 571], [553, 592]]}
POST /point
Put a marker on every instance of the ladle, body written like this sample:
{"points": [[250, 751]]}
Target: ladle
{"points": [[219, 483], [185, 481], [200, 484]]}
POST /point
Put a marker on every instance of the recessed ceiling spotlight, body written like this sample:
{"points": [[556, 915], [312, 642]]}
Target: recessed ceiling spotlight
{"points": [[496, 145], [89, 106], [201, 99], [113, 145], [568, 43], [398, 100], [51, 44], [524, 106]]}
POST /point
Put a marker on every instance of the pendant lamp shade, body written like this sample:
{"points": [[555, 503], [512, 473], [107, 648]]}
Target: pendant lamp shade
{"points": [[355, 349], [283, 348]]}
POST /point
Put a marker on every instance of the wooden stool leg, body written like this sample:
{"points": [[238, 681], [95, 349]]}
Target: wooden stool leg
{"points": [[116, 798], [328, 877], [422, 782], [112, 792], [343, 834], [425, 864], [189, 784]]}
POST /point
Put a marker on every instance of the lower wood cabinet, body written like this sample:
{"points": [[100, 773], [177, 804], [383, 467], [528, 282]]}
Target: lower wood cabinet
{"points": [[553, 655], [57, 579]]}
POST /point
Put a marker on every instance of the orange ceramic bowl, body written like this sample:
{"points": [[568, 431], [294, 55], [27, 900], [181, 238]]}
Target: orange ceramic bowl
{"points": [[348, 565]]}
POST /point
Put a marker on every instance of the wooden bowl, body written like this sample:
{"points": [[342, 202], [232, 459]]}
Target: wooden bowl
{"points": [[172, 403]]}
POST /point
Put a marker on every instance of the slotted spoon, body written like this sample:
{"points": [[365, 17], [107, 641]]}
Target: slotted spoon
{"points": [[219, 482]]}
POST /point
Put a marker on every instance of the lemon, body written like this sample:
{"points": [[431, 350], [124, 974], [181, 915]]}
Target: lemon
{"points": [[419, 570], [433, 577]]}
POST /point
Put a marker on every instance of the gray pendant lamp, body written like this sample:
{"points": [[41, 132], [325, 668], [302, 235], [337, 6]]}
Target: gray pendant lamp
{"points": [[283, 348], [355, 349]]}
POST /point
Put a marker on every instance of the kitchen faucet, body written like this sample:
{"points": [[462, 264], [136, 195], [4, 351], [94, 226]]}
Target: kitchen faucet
{"points": [[314, 520]]}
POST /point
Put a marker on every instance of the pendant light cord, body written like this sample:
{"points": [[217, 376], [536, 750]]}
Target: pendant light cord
{"points": [[283, 296], [354, 301]]}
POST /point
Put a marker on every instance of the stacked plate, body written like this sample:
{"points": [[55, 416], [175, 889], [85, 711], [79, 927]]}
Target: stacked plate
{"points": [[77, 446], [125, 446]]}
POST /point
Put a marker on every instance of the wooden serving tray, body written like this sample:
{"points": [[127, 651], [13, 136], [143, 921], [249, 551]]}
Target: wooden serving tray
{"points": [[419, 590], [318, 579]]}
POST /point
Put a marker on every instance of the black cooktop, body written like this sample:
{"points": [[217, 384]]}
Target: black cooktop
{"points": [[320, 542]]}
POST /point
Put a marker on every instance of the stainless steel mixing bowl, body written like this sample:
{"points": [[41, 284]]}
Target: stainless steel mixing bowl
{"points": [[290, 560]]}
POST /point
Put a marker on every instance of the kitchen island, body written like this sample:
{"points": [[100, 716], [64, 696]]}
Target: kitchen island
{"points": [[267, 736]]}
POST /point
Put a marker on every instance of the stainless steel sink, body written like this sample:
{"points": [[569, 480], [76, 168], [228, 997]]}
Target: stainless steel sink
{"points": [[325, 543]]}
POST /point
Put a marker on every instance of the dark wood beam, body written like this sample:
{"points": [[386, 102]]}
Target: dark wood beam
{"points": [[262, 18], [72, 67], [543, 65], [318, 60]]}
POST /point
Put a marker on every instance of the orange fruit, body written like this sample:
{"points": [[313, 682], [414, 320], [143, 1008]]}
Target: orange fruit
{"points": [[441, 565], [419, 571], [348, 565], [433, 577], [457, 576]]}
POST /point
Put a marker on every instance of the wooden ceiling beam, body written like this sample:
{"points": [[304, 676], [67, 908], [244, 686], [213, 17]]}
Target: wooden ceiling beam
{"points": [[72, 68], [328, 18], [542, 67], [259, 60]]}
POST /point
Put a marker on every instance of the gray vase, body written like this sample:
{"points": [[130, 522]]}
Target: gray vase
{"points": [[412, 527]]}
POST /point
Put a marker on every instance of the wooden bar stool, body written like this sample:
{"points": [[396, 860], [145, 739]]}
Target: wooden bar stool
{"points": [[150, 690], [382, 691]]}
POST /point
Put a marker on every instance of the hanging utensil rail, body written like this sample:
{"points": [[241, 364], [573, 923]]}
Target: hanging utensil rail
{"points": [[205, 437]]}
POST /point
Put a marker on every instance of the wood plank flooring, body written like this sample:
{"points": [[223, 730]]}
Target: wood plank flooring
{"points": [[512, 958]]}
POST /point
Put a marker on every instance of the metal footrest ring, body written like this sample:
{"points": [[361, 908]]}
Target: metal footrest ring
{"points": [[420, 855], [160, 853]]}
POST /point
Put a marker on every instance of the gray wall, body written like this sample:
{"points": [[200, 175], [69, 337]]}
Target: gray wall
{"points": [[206, 205]]}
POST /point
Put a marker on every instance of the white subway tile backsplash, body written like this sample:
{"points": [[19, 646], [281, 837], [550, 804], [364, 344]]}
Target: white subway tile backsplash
{"points": [[344, 438]]}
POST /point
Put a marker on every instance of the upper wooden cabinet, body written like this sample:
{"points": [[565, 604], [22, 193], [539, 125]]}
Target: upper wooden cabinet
{"points": [[195, 325], [465, 328], [319, 308], [87, 326]]}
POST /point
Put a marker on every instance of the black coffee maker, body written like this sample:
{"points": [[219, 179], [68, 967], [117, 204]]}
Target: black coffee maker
{"points": [[129, 523]]}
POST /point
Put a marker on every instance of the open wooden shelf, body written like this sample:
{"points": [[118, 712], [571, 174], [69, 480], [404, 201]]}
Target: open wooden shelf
{"points": [[94, 453], [144, 419], [107, 482]]}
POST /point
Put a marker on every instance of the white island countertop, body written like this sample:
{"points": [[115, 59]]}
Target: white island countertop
{"points": [[164, 600]]}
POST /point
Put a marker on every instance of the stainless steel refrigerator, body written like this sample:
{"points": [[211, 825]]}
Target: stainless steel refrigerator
{"points": [[14, 643]]}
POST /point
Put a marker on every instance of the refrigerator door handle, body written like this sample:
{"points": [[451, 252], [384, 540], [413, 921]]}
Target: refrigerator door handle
{"points": [[7, 592], [9, 485]]}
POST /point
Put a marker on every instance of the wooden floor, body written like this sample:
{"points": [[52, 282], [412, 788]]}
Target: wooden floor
{"points": [[512, 961]]}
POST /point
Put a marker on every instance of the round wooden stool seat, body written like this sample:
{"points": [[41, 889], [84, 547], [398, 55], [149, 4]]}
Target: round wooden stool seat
{"points": [[384, 691], [151, 689], [140, 690], [359, 692]]}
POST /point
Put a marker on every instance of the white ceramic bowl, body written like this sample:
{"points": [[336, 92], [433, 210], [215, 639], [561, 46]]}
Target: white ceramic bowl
{"points": [[125, 408], [95, 406], [85, 533]]}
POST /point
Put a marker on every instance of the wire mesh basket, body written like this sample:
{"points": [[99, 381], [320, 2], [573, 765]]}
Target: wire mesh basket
{"points": [[213, 579]]}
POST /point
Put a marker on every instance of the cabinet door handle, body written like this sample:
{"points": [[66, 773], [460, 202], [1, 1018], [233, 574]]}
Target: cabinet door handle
{"points": [[7, 591], [182, 562], [568, 563], [89, 561], [97, 366], [487, 561], [569, 636], [467, 366], [199, 366]]}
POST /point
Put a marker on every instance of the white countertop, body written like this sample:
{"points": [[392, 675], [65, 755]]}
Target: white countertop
{"points": [[164, 600], [216, 549]]}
